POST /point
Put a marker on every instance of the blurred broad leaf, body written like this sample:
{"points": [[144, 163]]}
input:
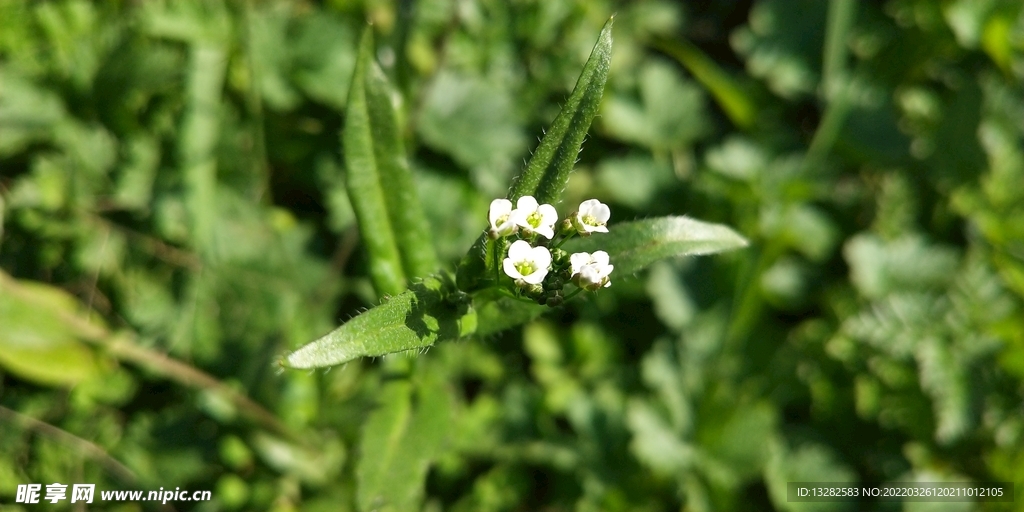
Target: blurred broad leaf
{"points": [[400, 439], [36, 340], [27, 113], [783, 43], [475, 121], [324, 54], [314, 465], [668, 115], [634, 180]]}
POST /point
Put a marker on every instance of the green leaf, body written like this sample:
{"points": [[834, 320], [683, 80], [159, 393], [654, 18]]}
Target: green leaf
{"points": [[400, 439], [380, 185], [412, 320], [635, 180], [631, 246], [548, 171], [27, 113], [495, 313], [36, 341]]}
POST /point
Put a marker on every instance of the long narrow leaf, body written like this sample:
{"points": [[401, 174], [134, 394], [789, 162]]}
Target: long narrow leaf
{"points": [[631, 246], [411, 320], [379, 182], [735, 102], [548, 171]]}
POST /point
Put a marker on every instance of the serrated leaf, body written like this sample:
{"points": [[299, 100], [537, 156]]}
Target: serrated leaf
{"points": [[412, 320], [878, 267], [808, 463], [945, 378], [400, 439], [379, 181], [632, 246]]}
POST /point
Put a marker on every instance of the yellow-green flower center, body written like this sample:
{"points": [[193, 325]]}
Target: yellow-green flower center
{"points": [[534, 219], [525, 268], [590, 220]]}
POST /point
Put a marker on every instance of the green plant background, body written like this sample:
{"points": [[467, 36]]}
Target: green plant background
{"points": [[175, 218]]}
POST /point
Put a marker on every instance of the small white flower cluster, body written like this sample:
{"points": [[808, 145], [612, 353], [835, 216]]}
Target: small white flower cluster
{"points": [[541, 271]]}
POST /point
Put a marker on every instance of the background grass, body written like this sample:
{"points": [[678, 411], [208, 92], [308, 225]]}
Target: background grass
{"points": [[175, 217]]}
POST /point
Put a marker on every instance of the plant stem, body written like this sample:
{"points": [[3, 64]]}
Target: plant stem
{"points": [[124, 346], [511, 295], [85, 446], [566, 239], [574, 293]]}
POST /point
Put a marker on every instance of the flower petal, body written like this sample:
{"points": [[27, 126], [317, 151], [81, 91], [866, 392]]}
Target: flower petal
{"points": [[587, 205], [519, 251], [527, 203], [541, 257], [499, 208], [601, 212], [600, 258], [577, 260], [548, 214], [537, 277]]}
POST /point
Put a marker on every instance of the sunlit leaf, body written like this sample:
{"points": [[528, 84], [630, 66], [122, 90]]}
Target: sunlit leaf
{"points": [[632, 246], [412, 320]]}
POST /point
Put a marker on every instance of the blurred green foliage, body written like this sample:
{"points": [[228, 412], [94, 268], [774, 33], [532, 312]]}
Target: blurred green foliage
{"points": [[175, 217]]}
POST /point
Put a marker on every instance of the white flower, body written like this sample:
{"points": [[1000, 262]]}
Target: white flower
{"points": [[500, 216], [591, 271], [534, 218], [592, 217], [526, 264]]}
